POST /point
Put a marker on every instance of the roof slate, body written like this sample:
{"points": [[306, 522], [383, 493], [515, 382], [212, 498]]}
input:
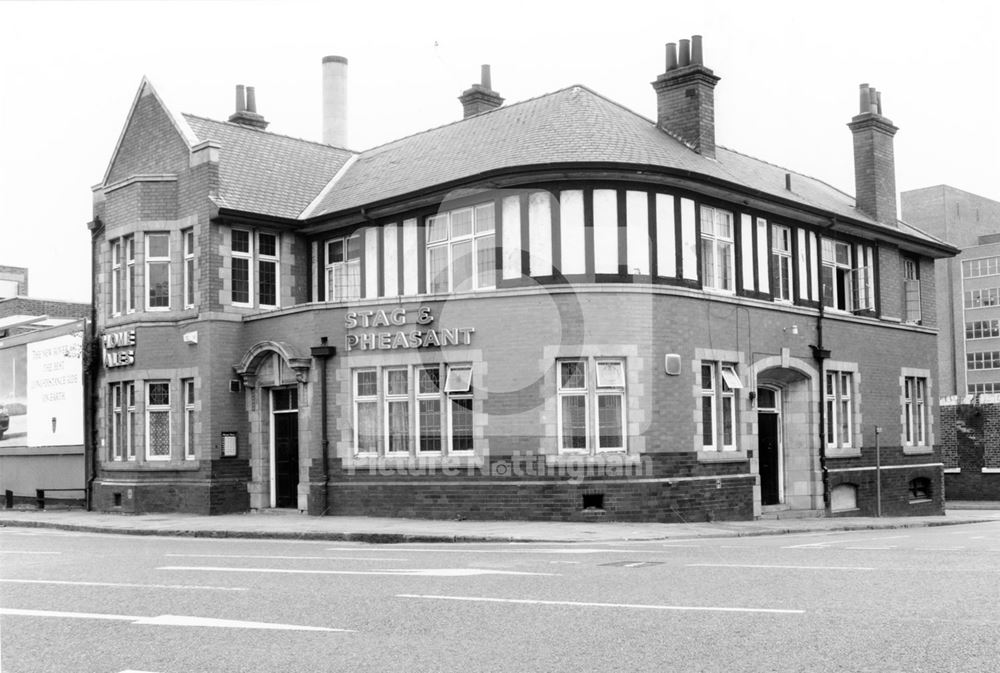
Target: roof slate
{"points": [[267, 173], [280, 176]]}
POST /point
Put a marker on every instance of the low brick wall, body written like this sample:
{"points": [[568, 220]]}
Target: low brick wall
{"points": [[970, 434]]}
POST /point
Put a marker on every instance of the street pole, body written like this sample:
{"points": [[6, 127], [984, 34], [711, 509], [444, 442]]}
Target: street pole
{"points": [[878, 473]]}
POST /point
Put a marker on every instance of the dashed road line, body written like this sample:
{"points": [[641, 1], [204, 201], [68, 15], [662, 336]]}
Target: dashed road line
{"points": [[168, 620], [284, 558], [773, 567], [631, 606], [125, 585], [393, 572]]}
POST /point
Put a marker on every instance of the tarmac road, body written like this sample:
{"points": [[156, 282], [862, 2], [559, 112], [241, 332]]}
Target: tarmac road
{"points": [[915, 599]]}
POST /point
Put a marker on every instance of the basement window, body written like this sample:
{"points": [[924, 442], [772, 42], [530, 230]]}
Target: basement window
{"points": [[593, 501], [920, 490]]}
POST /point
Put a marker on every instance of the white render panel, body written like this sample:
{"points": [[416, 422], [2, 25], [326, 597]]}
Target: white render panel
{"points": [[390, 253], [689, 240], [605, 231], [571, 237], [371, 262], [637, 232], [666, 242], [540, 233], [803, 255], [512, 237], [814, 264], [411, 267], [763, 255], [746, 250]]}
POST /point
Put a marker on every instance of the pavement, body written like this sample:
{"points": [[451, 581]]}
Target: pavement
{"points": [[295, 526]]}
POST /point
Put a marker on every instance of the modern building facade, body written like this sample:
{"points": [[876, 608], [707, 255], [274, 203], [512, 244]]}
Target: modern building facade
{"points": [[553, 309], [42, 395], [968, 300]]}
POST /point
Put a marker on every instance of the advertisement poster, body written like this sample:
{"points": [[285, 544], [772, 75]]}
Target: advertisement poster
{"points": [[55, 391], [13, 396]]}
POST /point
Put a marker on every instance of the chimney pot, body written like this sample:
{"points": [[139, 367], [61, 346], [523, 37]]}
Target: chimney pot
{"points": [[480, 97], [251, 100], [685, 55], [696, 53], [485, 77], [685, 97], [246, 109], [241, 101]]}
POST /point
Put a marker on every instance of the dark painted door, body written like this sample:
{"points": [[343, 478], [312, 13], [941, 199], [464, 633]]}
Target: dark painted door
{"points": [[768, 464], [286, 460]]}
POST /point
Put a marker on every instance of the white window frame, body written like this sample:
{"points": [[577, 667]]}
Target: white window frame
{"points": [[390, 399], [157, 260], [117, 421], [372, 399], [915, 410], [593, 389], [982, 360], [781, 260], [349, 268], [158, 409], [117, 277], [446, 241], [189, 288], [982, 329], [838, 395], [716, 241], [247, 256], [130, 274], [275, 261], [188, 391], [718, 389], [129, 395], [978, 268], [427, 396]]}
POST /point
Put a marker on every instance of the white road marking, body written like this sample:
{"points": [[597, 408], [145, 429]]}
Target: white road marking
{"points": [[132, 670], [891, 546], [634, 606], [567, 562], [308, 558], [168, 620], [939, 548], [126, 585], [9, 551], [415, 572], [826, 543], [776, 567]]}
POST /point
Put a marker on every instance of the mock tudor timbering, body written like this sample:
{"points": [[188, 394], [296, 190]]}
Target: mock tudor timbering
{"points": [[552, 309]]}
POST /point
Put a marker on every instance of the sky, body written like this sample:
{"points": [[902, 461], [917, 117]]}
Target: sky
{"points": [[790, 73]]}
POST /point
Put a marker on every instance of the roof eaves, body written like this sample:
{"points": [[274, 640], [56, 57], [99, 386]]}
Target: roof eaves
{"points": [[315, 203]]}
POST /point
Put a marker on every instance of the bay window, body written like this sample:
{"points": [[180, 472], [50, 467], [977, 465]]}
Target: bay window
{"points": [[158, 272], [461, 250]]}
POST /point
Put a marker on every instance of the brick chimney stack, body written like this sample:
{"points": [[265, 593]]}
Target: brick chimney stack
{"points": [[246, 109], [685, 97], [480, 97], [874, 164]]}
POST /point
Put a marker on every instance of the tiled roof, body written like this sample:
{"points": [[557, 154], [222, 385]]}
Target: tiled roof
{"points": [[267, 173], [277, 175]]}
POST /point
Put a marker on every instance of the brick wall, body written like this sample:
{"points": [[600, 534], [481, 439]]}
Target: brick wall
{"points": [[971, 447]]}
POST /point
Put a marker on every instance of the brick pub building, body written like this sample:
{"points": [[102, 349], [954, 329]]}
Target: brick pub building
{"points": [[553, 309]]}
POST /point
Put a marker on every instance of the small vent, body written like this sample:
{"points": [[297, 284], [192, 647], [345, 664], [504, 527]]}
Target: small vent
{"points": [[234, 385], [593, 501], [118, 499]]}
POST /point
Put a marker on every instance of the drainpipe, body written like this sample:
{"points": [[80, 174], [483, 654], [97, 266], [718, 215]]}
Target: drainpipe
{"points": [[820, 354], [92, 362], [324, 353]]}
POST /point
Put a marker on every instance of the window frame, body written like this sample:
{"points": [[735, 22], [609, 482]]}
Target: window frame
{"points": [[357, 400], [187, 235], [915, 425], [188, 392], [592, 390], [350, 265], [117, 278], [263, 260], [839, 408], [160, 408], [159, 260], [716, 242], [781, 256], [719, 403], [246, 258], [479, 279]]}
